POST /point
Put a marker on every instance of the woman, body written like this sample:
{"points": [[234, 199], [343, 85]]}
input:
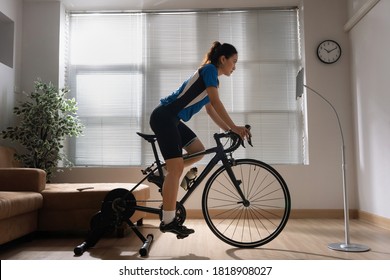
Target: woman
{"points": [[200, 90]]}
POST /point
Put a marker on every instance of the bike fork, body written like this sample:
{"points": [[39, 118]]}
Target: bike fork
{"points": [[236, 183]]}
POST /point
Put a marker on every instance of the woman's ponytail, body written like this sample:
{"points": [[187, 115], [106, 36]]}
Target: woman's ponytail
{"points": [[216, 51]]}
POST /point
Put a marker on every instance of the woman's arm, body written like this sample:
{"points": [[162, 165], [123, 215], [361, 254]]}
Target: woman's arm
{"points": [[219, 108], [215, 117]]}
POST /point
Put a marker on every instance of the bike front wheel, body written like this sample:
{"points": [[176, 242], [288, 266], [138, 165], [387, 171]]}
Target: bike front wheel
{"points": [[254, 221]]}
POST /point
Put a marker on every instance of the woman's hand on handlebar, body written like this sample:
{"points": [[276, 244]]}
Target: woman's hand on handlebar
{"points": [[242, 131]]}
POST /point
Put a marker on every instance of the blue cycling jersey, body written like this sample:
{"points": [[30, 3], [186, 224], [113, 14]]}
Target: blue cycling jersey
{"points": [[191, 96]]}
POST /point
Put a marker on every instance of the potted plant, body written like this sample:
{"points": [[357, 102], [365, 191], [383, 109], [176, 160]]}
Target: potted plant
{"points": [[47, 117]]}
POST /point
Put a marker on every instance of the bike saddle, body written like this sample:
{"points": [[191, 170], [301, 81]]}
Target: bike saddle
{"points": [[147, 137]]}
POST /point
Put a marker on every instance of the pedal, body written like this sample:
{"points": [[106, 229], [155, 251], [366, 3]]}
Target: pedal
{"points": [[182, 236]]}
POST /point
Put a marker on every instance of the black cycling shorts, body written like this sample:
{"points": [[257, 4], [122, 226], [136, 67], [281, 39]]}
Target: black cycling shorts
{"points": [[172, 134]]}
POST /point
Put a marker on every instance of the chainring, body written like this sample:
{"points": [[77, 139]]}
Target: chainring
{"points": [[180, 213]]}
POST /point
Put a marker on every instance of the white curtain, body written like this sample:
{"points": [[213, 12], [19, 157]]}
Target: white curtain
{"points": [[120, 65]]}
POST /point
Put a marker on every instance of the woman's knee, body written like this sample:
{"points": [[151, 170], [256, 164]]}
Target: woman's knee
{"points": [[195, 147], [175, 167]]}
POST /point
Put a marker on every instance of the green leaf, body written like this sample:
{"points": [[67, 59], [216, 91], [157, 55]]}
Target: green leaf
{"points": [[46, 117]]}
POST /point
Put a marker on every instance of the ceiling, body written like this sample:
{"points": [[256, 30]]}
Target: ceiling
{"points": [[95, 5]]}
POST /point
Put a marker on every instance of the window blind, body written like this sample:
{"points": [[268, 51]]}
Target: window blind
{"points": [[120, 66]]}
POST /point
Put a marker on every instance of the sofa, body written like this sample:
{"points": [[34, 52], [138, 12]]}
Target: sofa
{"points": [[28, 204], [20, 201]]}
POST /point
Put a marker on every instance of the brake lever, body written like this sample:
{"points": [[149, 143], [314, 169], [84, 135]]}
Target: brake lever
{"points": [[249, 139]]}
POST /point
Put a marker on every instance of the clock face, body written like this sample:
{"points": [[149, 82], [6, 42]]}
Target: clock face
{"points": [[329, 51]]}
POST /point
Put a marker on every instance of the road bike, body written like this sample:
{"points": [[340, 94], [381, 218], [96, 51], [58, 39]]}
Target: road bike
{"points": [[245, 203]]}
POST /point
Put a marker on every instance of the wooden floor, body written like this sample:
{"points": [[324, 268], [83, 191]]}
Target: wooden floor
{"points": [[302, 239]]}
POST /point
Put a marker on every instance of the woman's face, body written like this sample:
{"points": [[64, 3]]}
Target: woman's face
{"points": [[228, 65]]}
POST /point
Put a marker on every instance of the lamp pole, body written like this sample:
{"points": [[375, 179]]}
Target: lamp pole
{"points": [[346, 246]]}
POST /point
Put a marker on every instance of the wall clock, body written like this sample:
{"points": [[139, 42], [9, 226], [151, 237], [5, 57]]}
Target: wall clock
{"points": [[328, 51]]}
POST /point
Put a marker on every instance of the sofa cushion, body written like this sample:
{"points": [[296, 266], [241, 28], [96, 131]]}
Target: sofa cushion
{"points": [[22, 179], [17, 203]]}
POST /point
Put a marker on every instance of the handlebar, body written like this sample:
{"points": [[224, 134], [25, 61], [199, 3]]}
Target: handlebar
{"points": [[237, 141]]}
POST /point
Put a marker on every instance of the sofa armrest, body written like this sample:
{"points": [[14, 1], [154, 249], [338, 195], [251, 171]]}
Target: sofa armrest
{"points": [[22, 179]]}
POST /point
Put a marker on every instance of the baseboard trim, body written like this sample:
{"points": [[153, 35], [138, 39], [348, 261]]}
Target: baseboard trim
{"points": [[322, 214], [374, 219]]}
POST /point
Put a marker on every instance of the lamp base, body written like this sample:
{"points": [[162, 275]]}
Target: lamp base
{"points": [[348, 247]]}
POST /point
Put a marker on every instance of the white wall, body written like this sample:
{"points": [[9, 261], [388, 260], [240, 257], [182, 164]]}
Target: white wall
{"points": [[41, 42], [319, 185], [314, 186], [370, 40]]}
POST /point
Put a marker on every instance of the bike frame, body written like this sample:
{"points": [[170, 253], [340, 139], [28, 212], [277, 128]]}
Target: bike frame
{"points": [[220, 155]]}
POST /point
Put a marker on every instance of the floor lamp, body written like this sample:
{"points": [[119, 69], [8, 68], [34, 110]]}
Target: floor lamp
{"points": [[346, 246]]}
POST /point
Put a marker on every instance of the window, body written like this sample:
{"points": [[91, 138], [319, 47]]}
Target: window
{"points": [[120, 65]]}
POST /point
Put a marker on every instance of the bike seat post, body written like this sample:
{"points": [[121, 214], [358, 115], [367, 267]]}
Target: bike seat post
{"points": [[155, 153], [152, 140]]}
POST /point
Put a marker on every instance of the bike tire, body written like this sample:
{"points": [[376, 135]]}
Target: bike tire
{"points": [[246, 225]]}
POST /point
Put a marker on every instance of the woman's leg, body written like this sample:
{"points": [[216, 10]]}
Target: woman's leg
{"points": [[171, 183], [170, 189], [175, 167], [165, 126], [196, 146]]}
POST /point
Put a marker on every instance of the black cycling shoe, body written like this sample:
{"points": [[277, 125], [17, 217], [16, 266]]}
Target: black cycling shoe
{"points": [[174, 227]]}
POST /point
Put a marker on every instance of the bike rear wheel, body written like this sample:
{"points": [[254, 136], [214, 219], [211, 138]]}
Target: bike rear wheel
{"points": [[253, 222]]}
